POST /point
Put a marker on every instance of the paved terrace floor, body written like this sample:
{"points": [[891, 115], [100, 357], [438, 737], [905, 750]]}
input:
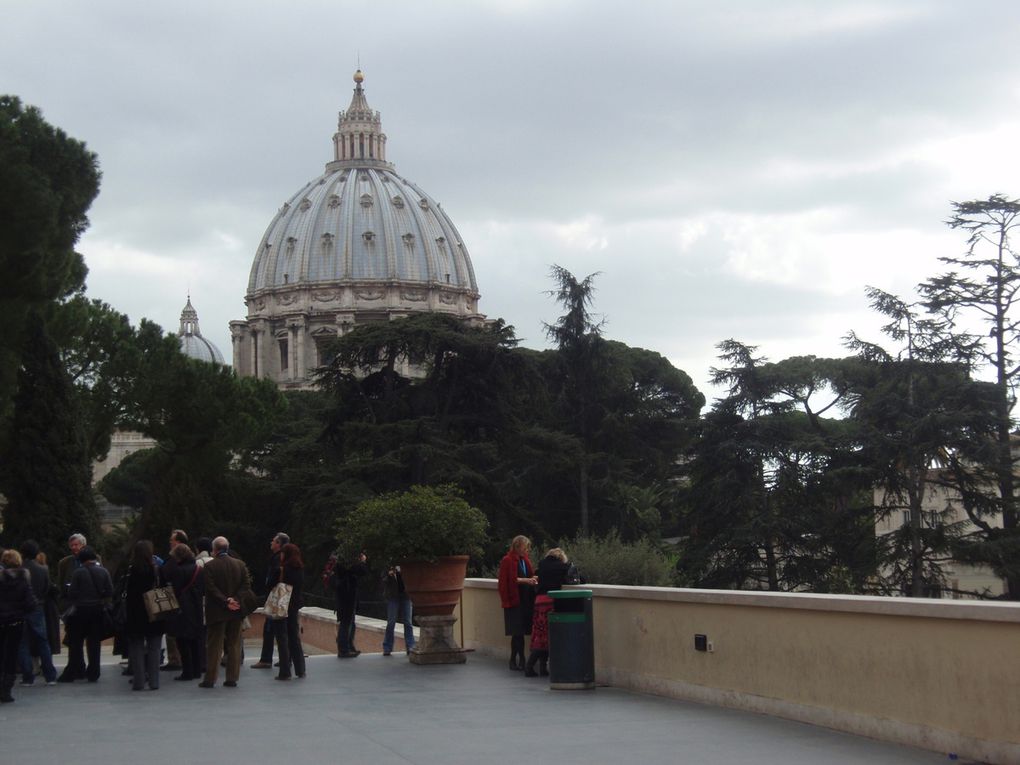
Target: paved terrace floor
{"points": [[386, 711]]}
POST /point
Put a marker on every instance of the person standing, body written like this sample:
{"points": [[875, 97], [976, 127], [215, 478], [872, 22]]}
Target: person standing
{"points": [[173, 655], [344, 580], [516, 594], [66, 567], [398, 605], [203, 551], [90, 588], [203, 554], [553, 571], [272, 578], [16, 603], [288, 631], [187, 579], [144, 637], [35, 622], [227, 586]]}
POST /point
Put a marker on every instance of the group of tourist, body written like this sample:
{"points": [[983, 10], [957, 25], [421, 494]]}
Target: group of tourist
{"points": [[524, 595], [213, 592], [211, 588]]}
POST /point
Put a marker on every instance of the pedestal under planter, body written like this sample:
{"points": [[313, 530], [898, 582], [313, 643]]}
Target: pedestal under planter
{"points": [[435, 589]]}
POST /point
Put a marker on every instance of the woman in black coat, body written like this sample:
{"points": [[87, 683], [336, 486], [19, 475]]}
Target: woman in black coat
{"points": [[553, 571], [189, 586], [16, 602], [288, 631], [144, 637]]}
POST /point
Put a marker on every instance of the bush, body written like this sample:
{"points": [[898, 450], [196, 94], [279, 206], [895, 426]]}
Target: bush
{"points": [[610, 560], [424, 523]]}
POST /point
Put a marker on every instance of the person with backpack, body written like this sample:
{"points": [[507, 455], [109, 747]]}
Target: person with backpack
{"points": [[88, 591]]}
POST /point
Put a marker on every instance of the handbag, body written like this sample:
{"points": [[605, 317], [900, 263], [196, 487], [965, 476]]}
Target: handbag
{"points": [[115, 616], [278, 602], [160, 602]]}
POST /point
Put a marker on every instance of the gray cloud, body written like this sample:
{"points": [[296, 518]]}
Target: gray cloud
{"points": [[591, 134]]}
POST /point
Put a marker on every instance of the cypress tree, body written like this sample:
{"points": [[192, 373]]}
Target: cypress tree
{"points": [[47, 472]]}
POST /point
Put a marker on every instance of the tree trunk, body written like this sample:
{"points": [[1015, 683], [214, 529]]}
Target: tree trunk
{"points": [[583, 491], [771, 567]]}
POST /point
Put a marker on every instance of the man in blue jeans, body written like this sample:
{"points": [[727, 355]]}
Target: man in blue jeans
{"points": [[398, 606], [35, 622]]}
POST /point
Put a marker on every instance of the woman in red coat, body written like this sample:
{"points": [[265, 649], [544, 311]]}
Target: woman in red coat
{"points": [[517, 595]]}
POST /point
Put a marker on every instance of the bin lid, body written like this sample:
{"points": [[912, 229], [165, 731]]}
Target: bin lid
{"points": [[564, 594]]}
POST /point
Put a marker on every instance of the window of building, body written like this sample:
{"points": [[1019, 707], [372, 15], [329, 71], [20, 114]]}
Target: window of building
{"points": [[284, 355]]}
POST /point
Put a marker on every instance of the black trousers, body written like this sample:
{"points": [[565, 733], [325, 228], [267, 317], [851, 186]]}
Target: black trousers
{"points": [[84, 639], [288, 639]]}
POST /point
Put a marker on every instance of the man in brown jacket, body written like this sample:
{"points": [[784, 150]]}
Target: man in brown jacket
{"points": [[227, 586]]}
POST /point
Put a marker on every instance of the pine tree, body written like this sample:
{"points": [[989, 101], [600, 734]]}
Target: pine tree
{"points": [[46, 474]]}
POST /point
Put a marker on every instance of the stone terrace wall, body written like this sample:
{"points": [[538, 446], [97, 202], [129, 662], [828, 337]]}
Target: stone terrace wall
{"points": [[942, 675]]}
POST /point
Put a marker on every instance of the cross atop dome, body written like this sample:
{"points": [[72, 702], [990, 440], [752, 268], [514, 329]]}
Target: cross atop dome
{"points": [[359, 140]]}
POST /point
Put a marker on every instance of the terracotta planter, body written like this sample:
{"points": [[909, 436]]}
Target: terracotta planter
{"points": [[435, 588]]}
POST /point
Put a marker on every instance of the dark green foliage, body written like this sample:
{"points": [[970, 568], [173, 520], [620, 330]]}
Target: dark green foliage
{"points": [[46, 473], [480, 412], [47, 183], [580, 373], [209, 425], [775, 497], [423, 523], [608, 559], [99, 350], [983, 287]]}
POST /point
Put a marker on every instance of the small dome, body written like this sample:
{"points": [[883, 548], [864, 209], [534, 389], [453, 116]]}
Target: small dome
{"points": [[193, 345], [358, 76]]}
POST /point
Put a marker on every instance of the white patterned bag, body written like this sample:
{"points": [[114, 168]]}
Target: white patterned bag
{"points": [[278, 602]]}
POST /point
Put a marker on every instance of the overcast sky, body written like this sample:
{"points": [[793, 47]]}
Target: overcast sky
{"points": [[733, 169]]}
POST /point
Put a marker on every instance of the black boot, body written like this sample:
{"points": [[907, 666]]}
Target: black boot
{"points": [[517, 653], [6, 683], [529, 668]]}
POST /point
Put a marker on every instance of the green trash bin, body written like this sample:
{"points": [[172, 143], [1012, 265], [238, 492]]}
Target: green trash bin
{"points": [[571, 641]]}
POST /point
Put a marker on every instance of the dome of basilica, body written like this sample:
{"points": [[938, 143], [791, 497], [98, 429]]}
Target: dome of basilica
{"points": [[357, 244], [190, 337]]}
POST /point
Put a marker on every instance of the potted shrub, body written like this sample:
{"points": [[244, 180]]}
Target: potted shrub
{"points": [[430, 532]]}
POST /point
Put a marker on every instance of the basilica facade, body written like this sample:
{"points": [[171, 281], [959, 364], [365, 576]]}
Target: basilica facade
{"points": [[357, 244]]}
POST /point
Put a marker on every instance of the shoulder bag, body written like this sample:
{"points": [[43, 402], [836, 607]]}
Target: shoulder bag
{"points": [[278, 602], [160, 602]]}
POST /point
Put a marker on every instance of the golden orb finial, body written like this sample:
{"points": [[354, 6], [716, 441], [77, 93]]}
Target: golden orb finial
{"points": [[359, 77]]}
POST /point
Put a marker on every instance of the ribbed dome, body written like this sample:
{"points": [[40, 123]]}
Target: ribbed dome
{"points": [[361, 224], [192, 343], [358, 244]]}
